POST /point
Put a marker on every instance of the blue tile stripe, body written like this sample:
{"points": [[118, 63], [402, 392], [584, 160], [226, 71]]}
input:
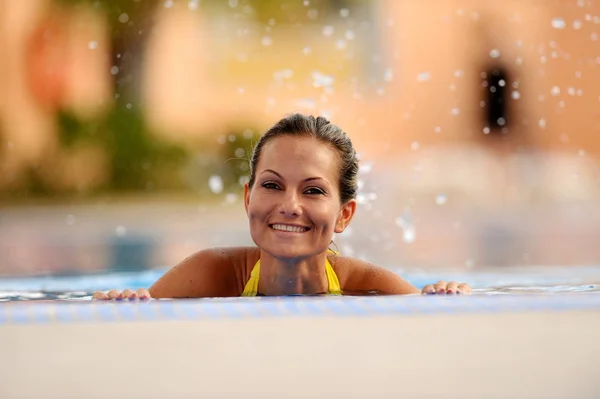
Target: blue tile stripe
{"points": [[32, 312]]}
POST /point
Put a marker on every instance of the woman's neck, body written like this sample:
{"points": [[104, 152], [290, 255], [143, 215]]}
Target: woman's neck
{"points": [[294, 277]]}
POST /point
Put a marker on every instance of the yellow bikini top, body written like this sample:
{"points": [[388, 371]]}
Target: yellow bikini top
{"points": [[251, 288]]}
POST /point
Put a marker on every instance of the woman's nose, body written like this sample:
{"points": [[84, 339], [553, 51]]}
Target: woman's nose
{"points": [[290, 205]]}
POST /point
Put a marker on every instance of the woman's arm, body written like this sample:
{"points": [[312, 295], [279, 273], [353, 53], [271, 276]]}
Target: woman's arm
{"points": [[360, 277], [207, 273]]}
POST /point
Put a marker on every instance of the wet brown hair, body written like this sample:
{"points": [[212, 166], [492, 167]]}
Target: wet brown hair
{"points": [[326, 132]]}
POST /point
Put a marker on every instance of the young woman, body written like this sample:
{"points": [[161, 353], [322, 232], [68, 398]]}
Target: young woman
{"points": [[302, 190]]}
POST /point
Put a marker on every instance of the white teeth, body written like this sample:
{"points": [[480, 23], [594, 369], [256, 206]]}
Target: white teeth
{"points": [[293, 229]]}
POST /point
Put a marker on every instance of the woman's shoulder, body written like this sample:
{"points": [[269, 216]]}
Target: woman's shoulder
{"points": [[357, 275], [235, 257], [208, 272]]}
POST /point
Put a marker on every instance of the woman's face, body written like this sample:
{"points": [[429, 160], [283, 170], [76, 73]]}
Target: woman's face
{"points": [[294, 206]]}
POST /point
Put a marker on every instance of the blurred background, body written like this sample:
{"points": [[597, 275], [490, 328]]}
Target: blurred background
{"points": [[125, 126]]}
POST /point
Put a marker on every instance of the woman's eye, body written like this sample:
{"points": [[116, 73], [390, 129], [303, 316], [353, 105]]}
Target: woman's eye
{"points": [[270, 185], [314, 191]]}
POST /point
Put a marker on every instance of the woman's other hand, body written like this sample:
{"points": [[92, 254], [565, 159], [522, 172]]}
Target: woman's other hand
{"points": [[444, 288], [141, 293]]}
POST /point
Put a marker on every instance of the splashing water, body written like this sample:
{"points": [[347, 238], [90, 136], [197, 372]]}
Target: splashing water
{"points": [[215, 183], [558, 23], [408, 228]]}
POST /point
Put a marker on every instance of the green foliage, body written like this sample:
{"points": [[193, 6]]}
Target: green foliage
{"points": [[136, 159]]}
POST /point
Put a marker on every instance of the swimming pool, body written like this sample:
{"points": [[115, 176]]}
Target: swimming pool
{"points": [[67, 298], [521, 325]]}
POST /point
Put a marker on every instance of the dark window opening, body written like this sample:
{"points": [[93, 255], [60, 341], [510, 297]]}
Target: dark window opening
{"points": [[496, 86]]}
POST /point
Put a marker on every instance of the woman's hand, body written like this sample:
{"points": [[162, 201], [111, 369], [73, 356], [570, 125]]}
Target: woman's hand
{"points": [[443, 288], [141, 293]]}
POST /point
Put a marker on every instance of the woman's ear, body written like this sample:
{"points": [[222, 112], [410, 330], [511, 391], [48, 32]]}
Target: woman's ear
{"points": [[246, 196], [346, 214]]}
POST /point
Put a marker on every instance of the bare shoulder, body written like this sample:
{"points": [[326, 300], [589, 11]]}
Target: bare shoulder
{"points": [[214, 272], [357, 275]]}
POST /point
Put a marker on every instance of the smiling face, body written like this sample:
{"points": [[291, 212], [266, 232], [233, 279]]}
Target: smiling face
{"points": [[294, 205]]}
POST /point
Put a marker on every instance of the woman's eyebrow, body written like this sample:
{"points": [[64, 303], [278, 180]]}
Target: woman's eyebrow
{"points": [[308, 179], [273, 172]]}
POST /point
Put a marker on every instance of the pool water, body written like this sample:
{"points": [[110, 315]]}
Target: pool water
{"points": [[532, 280]]}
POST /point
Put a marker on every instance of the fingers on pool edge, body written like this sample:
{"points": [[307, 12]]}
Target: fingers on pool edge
{"points": [[452, 288], [428, 290], [99, 296]]}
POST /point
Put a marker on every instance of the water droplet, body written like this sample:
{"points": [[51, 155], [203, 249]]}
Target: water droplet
{"points": [[240, 152], [455, 111], [501, 121], [458, 73], [415, 145], [128, 105], [114, 70], [168, 3], [328, 30], [344, 13], [313, 14], [581, 153], [515, 95], [340, 44], [93, 45], [266, 41], [349, 35], [542, 123], [70, 220], [441, 199], [365, 168], [306, 3], [558, 23], [322, 80], [231, 198], [193, 5], [555, 91], [306, 50], [437, 129], [120, 231], [571, 91], [423, 76], [283, 74], [486, 130], [388, 75], [519, 61], [577, 24], [123, 18], [408, 229], [215, 183], [580, 92], [494, 53], [233, 3]]}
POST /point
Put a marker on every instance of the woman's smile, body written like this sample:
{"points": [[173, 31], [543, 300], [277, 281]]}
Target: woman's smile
{"points": [[289, 228]]}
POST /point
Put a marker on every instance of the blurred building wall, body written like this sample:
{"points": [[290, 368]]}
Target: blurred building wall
{"points": [[401, 76]]}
